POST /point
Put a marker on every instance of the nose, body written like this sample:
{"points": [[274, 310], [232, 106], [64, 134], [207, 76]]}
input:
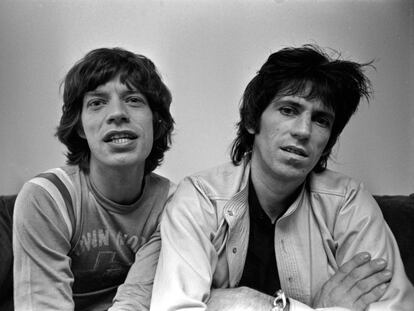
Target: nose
{"points": [[302, 128], [117, 111]]}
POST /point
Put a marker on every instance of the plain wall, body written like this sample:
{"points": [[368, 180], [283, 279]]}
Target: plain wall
{"points": [[207, 52]]}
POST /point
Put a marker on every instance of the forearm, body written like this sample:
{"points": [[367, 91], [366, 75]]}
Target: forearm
{"points": [[132, 297], [135, 293], [239, 299], [247, 299]]}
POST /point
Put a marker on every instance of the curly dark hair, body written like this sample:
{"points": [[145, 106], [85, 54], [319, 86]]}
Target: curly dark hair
{"points": [[135, 71], [339, 84]]}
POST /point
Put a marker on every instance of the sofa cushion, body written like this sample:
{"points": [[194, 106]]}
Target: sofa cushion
{"points": [[6, 253], [398, 212]]}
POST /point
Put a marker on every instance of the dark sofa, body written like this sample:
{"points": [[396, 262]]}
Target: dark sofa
{"points": [[6, 257], [398, 212]]}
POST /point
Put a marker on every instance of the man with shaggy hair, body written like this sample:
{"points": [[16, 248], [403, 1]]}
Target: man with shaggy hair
{"points": [[78, 228], [275, 229]]}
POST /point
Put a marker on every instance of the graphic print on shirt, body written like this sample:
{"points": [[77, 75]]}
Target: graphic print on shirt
{"points": [[100, 238], [101, 258]]}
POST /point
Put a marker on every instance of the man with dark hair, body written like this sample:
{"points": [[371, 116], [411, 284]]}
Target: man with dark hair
{"points": [[275, 229], [79, 228]]}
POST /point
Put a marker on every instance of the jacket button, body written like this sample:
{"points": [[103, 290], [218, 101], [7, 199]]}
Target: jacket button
{"points": [[234, 250], [230, 213]]}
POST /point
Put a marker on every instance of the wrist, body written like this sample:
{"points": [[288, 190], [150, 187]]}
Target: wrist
{"points": [[281, 302]]}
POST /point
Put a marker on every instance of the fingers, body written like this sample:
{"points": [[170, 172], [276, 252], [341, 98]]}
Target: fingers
{"points": [[373, 295], [356, 261], [357, 283], [347, 268], [335, 289], [371, 276], [367, 282], [360, 275]]}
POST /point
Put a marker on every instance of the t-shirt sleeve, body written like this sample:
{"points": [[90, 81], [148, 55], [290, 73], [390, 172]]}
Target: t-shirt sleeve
{"points": [[41, 241]]}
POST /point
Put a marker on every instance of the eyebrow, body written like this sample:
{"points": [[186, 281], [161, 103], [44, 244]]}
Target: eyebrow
{"points": [[105, 94], [326, 113], [95, 93]]}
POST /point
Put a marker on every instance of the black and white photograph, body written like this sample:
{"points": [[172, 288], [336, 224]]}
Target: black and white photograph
{"points": [[233, 155]]}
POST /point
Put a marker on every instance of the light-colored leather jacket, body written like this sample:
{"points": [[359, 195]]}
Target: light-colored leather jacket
{"points": [[205, 231]]}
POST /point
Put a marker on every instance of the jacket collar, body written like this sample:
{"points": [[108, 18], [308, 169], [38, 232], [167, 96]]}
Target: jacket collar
{"points": [[238, 204]]}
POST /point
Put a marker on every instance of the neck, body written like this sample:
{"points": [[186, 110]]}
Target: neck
{"points": [[275, 195], [121, 185]]}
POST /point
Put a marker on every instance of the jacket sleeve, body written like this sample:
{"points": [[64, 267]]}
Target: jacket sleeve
{"points": [[41, 241], [359, 227], [135, 293], [188, 258]]}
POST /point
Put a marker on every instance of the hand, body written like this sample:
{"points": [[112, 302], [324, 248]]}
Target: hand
{"points": [[357, 283]]}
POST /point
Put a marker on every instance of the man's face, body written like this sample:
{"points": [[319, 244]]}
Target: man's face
{"points": [[293, 134], [117, 123]]}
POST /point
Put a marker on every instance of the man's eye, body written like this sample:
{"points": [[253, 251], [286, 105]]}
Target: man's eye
{"points": [[135, 100], [95, 103], [324, 122], [287, 111]]}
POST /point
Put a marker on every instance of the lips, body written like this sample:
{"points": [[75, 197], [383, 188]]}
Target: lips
{"points": [[295, 150], [119, 136]]}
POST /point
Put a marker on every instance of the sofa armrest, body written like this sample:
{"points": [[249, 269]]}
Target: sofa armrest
{"points": [[6, 254], [398, 212]]}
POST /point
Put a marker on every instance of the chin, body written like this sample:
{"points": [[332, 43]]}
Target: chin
{"points": [[291, 173], [125, 162]]}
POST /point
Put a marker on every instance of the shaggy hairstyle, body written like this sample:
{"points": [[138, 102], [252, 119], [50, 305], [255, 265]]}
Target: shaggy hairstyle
{"points": [[339, 84], [136, 72]]}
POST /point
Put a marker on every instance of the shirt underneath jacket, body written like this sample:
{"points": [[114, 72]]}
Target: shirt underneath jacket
{"points": [[205, 228]]}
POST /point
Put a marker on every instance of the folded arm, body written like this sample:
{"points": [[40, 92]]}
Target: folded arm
{"points": [[135, 293], [358, 283], [360, 227]]}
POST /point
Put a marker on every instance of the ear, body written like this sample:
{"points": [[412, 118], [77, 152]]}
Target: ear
{"points": [[250, 130]]}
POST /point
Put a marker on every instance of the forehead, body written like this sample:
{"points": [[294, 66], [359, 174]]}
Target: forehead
{"points": [[114, 84], [311, 91]]}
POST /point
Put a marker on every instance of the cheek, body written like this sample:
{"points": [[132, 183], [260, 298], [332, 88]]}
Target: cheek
{"points": [[87, 128], [150, 135], [148, 127], [83, 128], [327, 136], [322, 143], [274, 136]]}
